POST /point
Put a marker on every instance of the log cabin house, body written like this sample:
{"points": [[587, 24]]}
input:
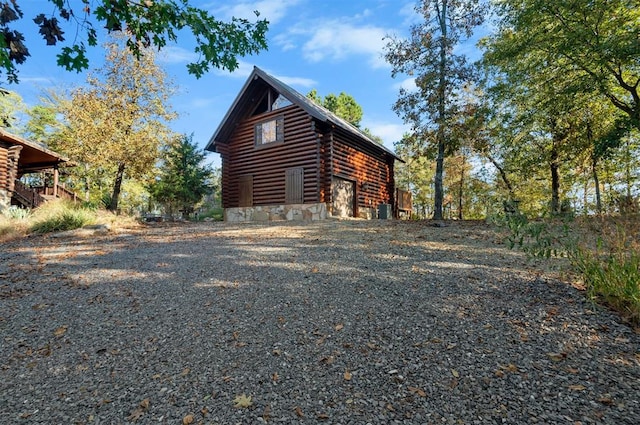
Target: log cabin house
{"points": [[19, 156], [286, 158]]}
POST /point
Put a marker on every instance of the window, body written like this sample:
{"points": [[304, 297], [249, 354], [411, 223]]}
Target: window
{"points": [[270, 131], [280, 102], [270, 101]]}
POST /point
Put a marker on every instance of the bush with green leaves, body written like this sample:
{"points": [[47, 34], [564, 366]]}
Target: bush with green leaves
{"points": [[17, 213], [539, 238], [610, 266], [603, 252]]}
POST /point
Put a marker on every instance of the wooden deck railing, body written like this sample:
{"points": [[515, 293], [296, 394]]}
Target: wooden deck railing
{"points": [[33, 197], [60, 192], [27, 196]]}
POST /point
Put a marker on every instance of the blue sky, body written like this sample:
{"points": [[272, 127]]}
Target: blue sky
{"points": [[331, 45]]}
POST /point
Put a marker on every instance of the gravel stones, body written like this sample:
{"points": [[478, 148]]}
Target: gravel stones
{"points": [[342, 322]]}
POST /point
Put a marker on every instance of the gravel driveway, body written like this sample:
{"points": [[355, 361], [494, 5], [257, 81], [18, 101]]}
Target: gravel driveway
{"points": [[341, 322]]}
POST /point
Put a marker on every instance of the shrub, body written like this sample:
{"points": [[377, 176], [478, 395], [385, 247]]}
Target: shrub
{"points": [[604, 252], [216, 213], [60, 216], [17, 213], [540, 238], [610, 265]]}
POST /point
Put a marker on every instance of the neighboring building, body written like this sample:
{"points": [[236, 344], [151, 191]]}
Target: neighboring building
{"points": [[19, 156], [285, 157]]}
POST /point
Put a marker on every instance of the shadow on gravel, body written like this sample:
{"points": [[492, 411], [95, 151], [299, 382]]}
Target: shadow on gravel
{"points": [[338, 322]]}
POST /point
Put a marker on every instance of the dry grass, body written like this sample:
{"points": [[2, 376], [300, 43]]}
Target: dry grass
{"points": [[607, 255], [58, 216], [12, 228], [603, 253]]}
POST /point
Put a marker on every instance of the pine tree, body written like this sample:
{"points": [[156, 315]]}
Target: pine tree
{"points": [[183, 177]]}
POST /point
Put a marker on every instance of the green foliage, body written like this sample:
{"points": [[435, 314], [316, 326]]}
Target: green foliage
{"points": [[609, 263], [11, 109], [59, 216], [216, 213], [612, 279], [43, 124], [604, 252], [183, 178], [343, 105], [427, 55], [539, 239], [372, 136], [17, 213], [585, 45], [148, 23]]}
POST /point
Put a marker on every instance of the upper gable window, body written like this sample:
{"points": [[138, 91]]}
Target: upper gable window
{"points": [[271, 131], [280, 102], [270, 101]]}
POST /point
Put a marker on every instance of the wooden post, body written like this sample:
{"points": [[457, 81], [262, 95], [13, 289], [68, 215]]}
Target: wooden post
{"points": [[55, 182]]}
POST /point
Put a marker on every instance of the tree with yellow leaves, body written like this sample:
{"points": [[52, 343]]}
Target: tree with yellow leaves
{"points": [[118, 122]]}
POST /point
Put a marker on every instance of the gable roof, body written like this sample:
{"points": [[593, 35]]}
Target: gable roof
{"points": [[255, 84], [34, 156]]}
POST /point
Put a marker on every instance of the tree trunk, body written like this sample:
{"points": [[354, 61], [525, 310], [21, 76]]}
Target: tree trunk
{"points": [[442, 86], [555, 182], [627, 168], [503, 174], [461, 189], [596, 182], [117, 186], [439, 190]]}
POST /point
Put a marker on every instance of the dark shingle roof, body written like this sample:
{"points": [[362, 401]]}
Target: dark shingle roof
{"points": [[255, 84]]}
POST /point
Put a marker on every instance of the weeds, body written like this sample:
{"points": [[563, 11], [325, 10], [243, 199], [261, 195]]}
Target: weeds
{"points": [[540, 239], [604, 252], [14, 223], [60, 216], [610, 264]]}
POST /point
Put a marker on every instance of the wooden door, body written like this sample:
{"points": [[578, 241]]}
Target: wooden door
{"points": [[245, 191], [343, 197], [294, 186]]}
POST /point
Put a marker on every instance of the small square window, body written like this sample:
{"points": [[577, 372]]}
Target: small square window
{"points": [[270, 131]]}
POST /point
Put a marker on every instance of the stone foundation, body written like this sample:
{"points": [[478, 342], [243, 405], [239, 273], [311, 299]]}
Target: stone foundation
{"points": [[263, 213], [5, 200]]}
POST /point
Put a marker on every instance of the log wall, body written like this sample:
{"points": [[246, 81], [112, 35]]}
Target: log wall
{"points": [[371, 171], [267, 163]]}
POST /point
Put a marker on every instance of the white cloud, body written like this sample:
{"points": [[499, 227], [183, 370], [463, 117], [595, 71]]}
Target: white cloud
{"points": [[339, 39], [389, 132], [175, 54], [285, 41], [409, 84], [411, 17], [37, 80], [298, 81], [271, 10], [245, 69], [201, 103]]}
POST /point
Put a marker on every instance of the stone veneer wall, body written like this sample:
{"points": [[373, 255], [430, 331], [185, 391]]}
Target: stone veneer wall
{"points": [[5, 200], [293, 212]]}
